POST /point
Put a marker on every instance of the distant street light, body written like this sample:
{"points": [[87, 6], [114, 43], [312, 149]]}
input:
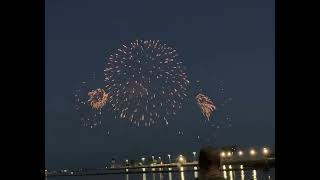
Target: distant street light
{"points": [[143, 160], [169, 158], [223, 154], [194, 155], [229, 154], [181, 159], [265, 153], [252, 152], [240, 153]]}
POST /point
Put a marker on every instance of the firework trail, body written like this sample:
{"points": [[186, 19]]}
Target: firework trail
{"points": [[206, 105], [146, 82]]}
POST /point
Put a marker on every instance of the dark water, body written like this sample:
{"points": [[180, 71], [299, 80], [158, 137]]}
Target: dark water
{"points": [[230, 175]]}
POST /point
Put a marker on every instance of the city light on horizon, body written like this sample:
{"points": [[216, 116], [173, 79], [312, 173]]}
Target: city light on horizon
{"points": [[226, 164], [252, 152], [181, 159], [194, 155], [265, 151], [223, 154], [240, 153], [229, 154]]}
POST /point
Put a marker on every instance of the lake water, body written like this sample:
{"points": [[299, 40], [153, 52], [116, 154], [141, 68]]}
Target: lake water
{"points": [[230, 175]]}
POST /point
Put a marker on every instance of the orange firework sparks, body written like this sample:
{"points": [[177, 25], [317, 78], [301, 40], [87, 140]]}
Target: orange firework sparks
{"points": [[98, 98], [206, 105]]}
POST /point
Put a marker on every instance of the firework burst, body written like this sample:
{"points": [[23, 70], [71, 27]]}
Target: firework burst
{"points": [[206, 105], [98, 98], [87, 103], [146, 82]]}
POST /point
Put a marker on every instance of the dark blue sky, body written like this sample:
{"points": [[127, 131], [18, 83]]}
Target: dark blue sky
{"points": [[230, 41]]}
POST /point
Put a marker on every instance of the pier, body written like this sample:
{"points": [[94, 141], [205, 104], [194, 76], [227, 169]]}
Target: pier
{"points": [[231, 160]]}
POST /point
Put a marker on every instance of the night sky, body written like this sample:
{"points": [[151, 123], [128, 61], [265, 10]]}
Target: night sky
{"points": [[229, 42]]}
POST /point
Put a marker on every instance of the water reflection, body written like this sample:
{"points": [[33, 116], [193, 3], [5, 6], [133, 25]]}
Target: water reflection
{"points": [[160, 176], [185, 173], [231, 175], [242, 175], [144, 176], [195, 172], [181, 173], [254, 174], [170, 176], [225, 174]]}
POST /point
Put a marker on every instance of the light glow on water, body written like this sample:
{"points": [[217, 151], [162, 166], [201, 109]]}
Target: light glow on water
{"points": [[230, 175], [189, 173], [254, 174], [170, 176], [242, 175], [195, 172], [182, 175]]}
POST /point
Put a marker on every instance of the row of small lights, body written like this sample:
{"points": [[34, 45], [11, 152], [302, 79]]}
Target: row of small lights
{"points": [[180, 157], [265, 151], [230, 167]]}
